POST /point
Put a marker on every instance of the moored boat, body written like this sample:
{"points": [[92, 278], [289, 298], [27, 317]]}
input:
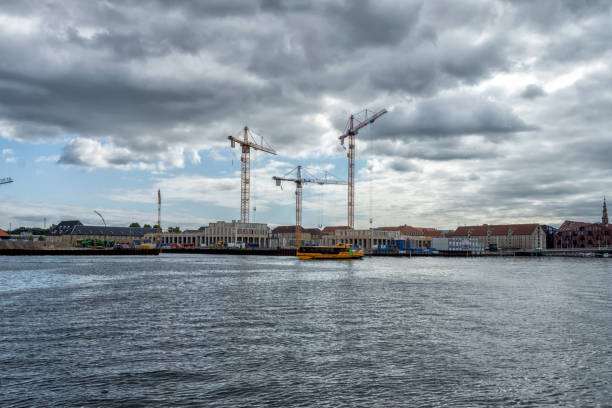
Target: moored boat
{"points": [[339, 251]]}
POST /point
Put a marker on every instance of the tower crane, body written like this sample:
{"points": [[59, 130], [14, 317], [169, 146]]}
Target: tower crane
{"points": [[299, 180], [6, 180], [351, 130], [245, 172]]}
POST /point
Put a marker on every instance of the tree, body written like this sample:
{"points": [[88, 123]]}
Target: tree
{"points": [[134, 225], [156, 226], [176, 230], [146, 226]]}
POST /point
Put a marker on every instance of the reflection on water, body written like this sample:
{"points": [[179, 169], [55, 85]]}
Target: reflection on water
{"points": [[242, 331]]}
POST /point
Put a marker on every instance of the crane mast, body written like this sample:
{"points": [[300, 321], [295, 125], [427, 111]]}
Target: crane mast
{"points": [[159, 228], [350, 132], [245, 171], [299, 181]]}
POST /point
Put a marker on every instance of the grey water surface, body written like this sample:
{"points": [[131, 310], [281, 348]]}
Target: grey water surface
{"points": [[205, 330]]}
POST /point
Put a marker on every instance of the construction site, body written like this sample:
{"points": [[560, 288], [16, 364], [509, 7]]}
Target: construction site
{"points": [[241, 235]]}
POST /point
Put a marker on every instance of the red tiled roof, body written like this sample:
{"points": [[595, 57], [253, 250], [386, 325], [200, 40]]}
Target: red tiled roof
{"points": [[431, 232], [332, 229], [401, 228], [573, 225], [4, 234], [290, 229], [409, 230], [481, 230]]}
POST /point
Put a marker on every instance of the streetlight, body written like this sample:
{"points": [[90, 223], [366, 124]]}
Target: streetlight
{"points": [[100, 215]]}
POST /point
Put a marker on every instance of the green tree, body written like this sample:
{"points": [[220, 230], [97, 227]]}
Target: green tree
{"points": [[146, 226], [41, 238], [174, 229], [134, 225], [156, 226]]}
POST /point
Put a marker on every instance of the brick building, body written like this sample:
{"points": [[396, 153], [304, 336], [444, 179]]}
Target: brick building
{"points": [[575, 234]]}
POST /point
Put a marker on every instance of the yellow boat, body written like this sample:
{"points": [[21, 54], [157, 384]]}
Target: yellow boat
{"points": [[339, 251]]}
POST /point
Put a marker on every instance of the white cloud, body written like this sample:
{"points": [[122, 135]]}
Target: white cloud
{"points": [[92, 153], [20, 213], [47, 159], [463, 144]]}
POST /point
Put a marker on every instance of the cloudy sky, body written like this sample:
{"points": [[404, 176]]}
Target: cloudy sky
{"points": [[499, 111]]}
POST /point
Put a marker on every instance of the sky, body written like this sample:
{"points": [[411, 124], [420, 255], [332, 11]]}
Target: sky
{"points": [[499, 111]]}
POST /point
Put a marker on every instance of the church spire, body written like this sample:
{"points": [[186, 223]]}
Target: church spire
{"points": [[604, 217]]}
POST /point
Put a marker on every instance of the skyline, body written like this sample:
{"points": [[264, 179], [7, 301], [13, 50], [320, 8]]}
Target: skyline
{"points": [[498, 111]]}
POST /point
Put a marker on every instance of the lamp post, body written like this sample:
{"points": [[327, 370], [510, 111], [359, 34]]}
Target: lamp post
{"points": [[104, 222]]}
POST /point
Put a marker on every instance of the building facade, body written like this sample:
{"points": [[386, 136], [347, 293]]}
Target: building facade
{"points": [[511, 237], [284, 236], [366, 238], [236, 233], [575, 235], [67, 233], [455, 244], [183, 239]]}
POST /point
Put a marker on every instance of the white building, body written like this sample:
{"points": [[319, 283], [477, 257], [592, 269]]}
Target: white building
{"points": [[236, 233], [455, 244]]}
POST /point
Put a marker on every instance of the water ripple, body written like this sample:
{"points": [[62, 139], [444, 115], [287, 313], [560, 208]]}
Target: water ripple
{"points": [[207, 330]]}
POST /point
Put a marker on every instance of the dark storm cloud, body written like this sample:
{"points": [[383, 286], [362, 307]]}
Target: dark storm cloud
{"points": [[434, 150], [70, 155], [453, 116], [595, 152], [129, 81], [114, 77], [532, 91], [552, 14], [403, 166]]}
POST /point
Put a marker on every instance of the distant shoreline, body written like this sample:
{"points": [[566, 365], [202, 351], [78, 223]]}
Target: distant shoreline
{"points": [[590, 253]]}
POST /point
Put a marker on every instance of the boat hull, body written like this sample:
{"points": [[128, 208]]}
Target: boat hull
{"points": [[329, 253]]}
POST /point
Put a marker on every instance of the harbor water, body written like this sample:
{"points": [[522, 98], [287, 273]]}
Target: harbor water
{"points": [[212, 330]]}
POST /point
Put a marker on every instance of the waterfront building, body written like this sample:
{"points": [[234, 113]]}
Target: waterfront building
{"points": [[66, 233], [419, 237], [284, 236], [455, 244], [511, 236], [409, 231], [236, 233], [364, 238], [576, 234], [331, 229], [418, 242], [4, 234], [188, 238]]}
